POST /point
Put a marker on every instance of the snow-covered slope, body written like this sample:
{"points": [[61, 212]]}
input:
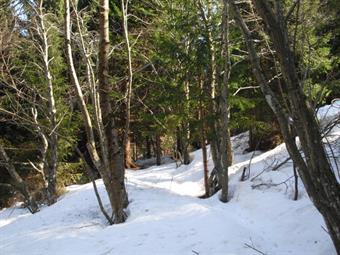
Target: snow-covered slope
{"points": [[166, 217]]}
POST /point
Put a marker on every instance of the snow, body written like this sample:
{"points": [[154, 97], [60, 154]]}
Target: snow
{"points": [[167, 217], [329, 112]]}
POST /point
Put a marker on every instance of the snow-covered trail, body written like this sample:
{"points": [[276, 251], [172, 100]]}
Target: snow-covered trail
{"points": [[167, 217]]}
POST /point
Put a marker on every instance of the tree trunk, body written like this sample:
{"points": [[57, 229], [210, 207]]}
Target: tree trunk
{"points": [[185, 144], [115, 182], [52, 111], [41, 167], [128, 90], [128, 156], [186, 124], [148, 147], [19, 184], [204, 151], [158, 150], [224, 110], [220, 143]]}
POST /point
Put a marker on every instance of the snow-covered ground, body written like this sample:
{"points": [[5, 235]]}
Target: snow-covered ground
{"points": [[166, 217]]}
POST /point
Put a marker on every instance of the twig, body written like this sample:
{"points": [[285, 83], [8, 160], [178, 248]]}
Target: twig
{"points": [[253, 248], [280, 164], [264, 170], [324, 229], [291, 9], [244, 88], [245, 177], [272, 185]]}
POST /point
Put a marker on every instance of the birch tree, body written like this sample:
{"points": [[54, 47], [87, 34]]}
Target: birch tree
{"points": [[109, 162], [128, 89], [50, 167]]}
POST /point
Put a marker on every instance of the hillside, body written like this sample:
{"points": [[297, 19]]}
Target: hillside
{"points": [[167, 217]]}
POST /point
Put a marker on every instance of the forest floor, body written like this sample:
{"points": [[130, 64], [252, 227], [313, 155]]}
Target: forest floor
{"points": [[167, 217]]}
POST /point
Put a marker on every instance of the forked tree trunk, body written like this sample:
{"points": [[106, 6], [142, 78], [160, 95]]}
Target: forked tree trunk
{"points": [[110, 163], [314, 170], [220, 143], [91, 80]]}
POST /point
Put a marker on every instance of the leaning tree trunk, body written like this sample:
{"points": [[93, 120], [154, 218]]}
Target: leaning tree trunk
{"points": [[18, 182], [115, 183], [314, 170]]}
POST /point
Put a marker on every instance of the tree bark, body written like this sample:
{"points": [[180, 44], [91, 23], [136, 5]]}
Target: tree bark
{"points": [[128, 156], [148, 147], [115, 183], [128, 90], [204, 151], [186, 124], [158, 150], [224, 108]]}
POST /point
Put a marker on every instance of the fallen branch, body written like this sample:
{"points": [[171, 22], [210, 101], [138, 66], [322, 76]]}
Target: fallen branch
{"points": [[269, 185]]}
